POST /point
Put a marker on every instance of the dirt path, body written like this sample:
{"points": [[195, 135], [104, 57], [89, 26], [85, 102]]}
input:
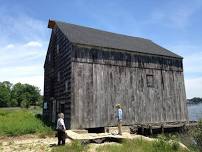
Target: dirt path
{"points": [[28, 143]]}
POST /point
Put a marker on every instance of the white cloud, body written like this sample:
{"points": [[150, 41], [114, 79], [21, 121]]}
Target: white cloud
{"points": [[33, 44], [193, 87], [9, 46], [23, 48], [192, 63], [193, 74], [193, 71], [32, 74], [23, 63], [33, 80], [192, 55], [23, 54]]}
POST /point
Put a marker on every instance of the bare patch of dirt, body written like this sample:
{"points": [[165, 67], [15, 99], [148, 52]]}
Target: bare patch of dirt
{"points": [[27, 143]]}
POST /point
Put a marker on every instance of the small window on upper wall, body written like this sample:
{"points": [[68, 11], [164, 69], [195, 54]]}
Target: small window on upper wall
{"points": [[58, 76], [49, 57], [150, 81], [58, 48], [66, 86]]}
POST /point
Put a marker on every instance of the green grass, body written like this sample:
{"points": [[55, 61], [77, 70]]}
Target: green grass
{"points": [[127, 146], [75, 146], [14, 122], [142, 146], [135, 145]]}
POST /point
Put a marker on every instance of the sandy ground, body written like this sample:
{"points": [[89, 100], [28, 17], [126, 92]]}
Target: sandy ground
{"points": [[28, 143], [32, 143]]}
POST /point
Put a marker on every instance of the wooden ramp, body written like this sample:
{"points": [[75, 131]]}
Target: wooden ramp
{"points": [[102, 137], [75, 136]]}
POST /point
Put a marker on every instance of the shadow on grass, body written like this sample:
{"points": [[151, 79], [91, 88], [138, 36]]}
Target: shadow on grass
{"points": [[53, 145], [47, 123]]}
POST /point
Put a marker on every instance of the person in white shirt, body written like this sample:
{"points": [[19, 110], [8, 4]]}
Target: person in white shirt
{"points": [[61, 129], [119, 115]]}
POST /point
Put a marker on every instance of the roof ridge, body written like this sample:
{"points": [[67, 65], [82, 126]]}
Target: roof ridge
{"points": [[97, 37], [100, 30]]}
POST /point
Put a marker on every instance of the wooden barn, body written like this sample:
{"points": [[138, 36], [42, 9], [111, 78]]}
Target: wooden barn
{"points": [[88, 71]]}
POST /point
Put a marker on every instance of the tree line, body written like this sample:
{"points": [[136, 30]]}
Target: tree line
{"points": [[21, 95], [194, 100]]}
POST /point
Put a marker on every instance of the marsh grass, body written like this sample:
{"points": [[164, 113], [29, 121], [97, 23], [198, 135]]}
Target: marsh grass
{"points": [[75, 146], [160, 145], [127, 146], [19, 122], [136, 145]]}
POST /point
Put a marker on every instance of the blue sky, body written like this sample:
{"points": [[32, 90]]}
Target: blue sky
{"points": [[24, 36]]}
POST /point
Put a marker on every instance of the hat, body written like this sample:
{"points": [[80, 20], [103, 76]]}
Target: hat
{"points": [[61, 115], [118, 105]]}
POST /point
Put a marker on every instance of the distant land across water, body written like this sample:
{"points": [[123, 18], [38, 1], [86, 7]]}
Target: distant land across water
{"points": [[194, 108], [194, 100]]}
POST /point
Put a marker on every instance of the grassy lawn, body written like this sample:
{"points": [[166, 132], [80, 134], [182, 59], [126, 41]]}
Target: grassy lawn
{"points": [[17, 121]]}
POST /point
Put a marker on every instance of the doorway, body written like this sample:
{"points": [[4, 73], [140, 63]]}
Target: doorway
{"points": [[54, 111], [62, 108]]}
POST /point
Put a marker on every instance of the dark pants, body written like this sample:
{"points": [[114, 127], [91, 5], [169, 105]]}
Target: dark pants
{"points": [[61, 137]]}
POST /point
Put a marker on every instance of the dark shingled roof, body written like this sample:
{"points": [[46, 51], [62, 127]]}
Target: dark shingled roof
{"points": [[89, 36]]}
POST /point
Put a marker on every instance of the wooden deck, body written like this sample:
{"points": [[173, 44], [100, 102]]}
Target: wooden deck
{"points": [[162, 127]]}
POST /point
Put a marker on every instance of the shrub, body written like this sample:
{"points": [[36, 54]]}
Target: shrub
{"points": [[197, 135], [161, 144]]}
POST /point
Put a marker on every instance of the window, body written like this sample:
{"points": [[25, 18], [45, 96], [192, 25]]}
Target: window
{"points": [[162, 80], [45, 106], [66, 86], [58, 48], [150, 81], [49, 57], [58, 76]]}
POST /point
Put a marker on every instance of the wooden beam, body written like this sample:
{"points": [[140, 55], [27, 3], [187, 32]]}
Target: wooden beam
{"points": [[51, 24]]}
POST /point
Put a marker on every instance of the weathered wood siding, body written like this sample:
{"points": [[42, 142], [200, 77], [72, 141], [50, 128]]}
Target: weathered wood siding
{"points": [[48, 74], [59, 62], [101, 78], [150, 88]]}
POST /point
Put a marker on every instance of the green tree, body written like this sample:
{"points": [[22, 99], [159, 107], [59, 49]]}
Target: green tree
{"points": [[16, 93], [25, 95], [19, 94], [5, 93], [33, 94]]}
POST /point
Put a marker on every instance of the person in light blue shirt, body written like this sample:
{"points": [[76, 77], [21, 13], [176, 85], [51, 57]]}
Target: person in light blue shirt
{"points": [[119, 116]]}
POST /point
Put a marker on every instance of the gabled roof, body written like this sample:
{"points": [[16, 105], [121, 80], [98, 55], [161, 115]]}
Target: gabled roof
{"points": [[93, 37]]}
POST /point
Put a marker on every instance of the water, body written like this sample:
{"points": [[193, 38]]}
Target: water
{"points": [[195, 111]]}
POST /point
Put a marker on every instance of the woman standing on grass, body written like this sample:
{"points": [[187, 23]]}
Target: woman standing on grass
{"points": [[61, 129]]}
